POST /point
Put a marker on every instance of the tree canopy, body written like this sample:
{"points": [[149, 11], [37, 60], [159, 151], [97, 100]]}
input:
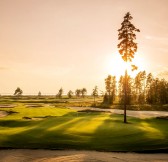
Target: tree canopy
{"points": [[18, 92], [127, 46]]}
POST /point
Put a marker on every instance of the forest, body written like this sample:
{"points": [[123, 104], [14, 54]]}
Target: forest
{"points": [[142, 89]]}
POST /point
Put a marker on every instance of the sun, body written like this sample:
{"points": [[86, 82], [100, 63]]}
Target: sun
{"points": [[116, 66]]}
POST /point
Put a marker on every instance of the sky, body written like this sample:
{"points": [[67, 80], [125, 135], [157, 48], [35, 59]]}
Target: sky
{"points": [[49, 44]]}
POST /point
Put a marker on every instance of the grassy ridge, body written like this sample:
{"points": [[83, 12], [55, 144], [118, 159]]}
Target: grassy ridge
{"points": [[61, 128]]}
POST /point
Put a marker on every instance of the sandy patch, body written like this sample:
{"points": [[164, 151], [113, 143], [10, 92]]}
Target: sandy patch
{"points": [[3, 114], [7, 106], [77, 156], [138, 114]]}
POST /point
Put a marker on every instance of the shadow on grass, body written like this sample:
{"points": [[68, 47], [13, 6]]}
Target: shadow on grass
{"points": [[96, 131], [16, 123], [149, 135], [53, 133]]}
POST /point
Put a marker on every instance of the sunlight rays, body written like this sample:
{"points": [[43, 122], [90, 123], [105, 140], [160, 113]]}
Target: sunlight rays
{"points": [[114, 65]]}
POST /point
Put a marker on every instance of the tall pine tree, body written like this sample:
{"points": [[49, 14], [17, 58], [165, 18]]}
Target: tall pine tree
{"points": [[127, 48]]}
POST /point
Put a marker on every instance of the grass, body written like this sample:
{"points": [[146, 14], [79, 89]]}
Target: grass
{"points": [[62, 128], [87, 101]]}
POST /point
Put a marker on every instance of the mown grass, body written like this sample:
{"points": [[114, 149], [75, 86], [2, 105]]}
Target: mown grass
{"points": [[23, 111], [62, 128]]}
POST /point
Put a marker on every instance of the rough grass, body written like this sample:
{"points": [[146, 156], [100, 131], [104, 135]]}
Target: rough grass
{"points": [[88, 101], [66, 129]]}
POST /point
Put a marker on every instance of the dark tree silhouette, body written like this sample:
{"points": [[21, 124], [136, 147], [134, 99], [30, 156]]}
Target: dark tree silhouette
{"points": [[84, 92], [105, 99], [110, 83], [127, 48], [139, 85], [18, 92], [78, 92], [121, 88], [70, 94], [39, 94], [60, 92], [95, 94]]}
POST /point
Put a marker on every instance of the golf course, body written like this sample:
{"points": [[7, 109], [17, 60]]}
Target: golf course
{"points": [[83, 81], [38, 125]]}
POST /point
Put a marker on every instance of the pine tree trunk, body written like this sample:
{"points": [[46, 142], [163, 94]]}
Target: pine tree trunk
{"points": [[125, 97]]}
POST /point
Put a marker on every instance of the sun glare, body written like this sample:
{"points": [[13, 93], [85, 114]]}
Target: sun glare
{"points": [[116, 66]]}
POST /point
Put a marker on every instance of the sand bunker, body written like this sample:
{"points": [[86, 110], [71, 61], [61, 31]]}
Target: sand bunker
{"points": [[7, 106], [77, 156], [3, 114]]}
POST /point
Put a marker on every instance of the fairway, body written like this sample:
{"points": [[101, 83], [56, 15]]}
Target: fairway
{"points": [[62, 128]]}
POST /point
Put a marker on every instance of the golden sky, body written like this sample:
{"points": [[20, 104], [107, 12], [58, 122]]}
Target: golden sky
{"points": [[49, 44]]}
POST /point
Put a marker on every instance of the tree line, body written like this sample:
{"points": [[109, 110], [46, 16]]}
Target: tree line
{"points": [[142, 89], [78, 93]]}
